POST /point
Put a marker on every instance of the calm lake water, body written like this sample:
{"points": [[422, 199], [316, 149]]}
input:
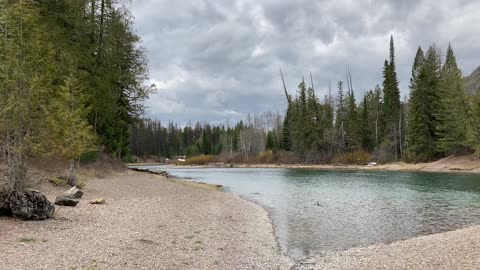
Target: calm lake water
{"points": [[314, 211]]}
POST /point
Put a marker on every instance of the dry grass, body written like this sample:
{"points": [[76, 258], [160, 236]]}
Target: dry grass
{"points": [[355, 158], [201, 160], [58, 181], [266, 157]]}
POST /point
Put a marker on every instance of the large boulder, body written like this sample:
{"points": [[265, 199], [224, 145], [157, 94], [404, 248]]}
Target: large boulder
{"points": [[30, 205], [74, 192], [66, 200], [4, 204]]}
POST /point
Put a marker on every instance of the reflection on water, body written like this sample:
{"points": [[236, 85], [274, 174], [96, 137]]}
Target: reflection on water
{"points": [[314, 211]]}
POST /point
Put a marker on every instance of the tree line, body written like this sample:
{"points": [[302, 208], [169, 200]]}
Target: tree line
{"points": [[246, 138], [71, 81], [437, 119]]}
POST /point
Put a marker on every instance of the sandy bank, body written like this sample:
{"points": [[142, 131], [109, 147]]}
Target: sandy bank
{"points": [[147, 223]]}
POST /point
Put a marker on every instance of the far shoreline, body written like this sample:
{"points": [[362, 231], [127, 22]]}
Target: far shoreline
{"points": [[452, 164]]}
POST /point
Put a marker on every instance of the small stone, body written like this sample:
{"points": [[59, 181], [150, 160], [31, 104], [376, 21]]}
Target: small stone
{"points": [[74, 192], [66, 200], [98, 201]]}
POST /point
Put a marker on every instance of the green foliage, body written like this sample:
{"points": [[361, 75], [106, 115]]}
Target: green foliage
{"points": [[365, 129], [391, 107], [67, 133], [452, 112], [192, 151], [473, 130], [352, 136], [58, 181], [89, 157], [70, 72], [307, 125], [424, 100], [438, 119]]}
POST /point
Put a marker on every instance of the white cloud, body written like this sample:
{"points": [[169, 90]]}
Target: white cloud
{"points": [[213, 60]]}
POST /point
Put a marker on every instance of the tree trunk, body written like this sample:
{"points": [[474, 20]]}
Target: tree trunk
{"points": [[71, 177]]}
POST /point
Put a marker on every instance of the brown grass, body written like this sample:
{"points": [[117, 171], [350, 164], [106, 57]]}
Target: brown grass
{"points": [[201, 160], [355, 157], [265, 157]]}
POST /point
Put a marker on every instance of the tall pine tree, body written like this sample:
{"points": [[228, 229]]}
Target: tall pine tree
{"points": [[452, 112], [424, 100], [391, 108]]}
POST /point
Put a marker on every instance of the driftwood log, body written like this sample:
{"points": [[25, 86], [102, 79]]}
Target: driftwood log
{"points": [[162, 173]]}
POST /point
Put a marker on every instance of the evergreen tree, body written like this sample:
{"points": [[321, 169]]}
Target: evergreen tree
{"points": [[391, 106], [424, 100], [364, 123], [473, 130], [67, 133], [452, 109], [352, 136]]}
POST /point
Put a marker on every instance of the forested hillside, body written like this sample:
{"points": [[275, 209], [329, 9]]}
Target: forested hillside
{"points": [[71, 81], [472, 81], [437, 118]]}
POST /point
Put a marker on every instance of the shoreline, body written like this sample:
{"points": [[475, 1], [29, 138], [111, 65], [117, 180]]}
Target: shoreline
{"points": [[393, 255], [238, 233], [455, 249], [148, 222], [457, 165]]}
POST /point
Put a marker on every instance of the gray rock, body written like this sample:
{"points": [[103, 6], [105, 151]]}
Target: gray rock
{"points": [[66, 200], [98, 201], [4, 205], [30, 205], [74, 192]]}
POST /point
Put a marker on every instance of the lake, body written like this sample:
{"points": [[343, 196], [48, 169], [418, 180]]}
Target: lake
{"points": [[316, 210]]}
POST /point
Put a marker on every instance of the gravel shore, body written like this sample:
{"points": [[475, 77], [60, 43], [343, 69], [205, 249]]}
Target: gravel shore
{"points": [[150, 222], [147, 223], [451, 250]]}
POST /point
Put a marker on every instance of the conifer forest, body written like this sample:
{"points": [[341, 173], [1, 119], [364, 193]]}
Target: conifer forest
{"points": [[438, 118], [73, 84], [72, 81]]}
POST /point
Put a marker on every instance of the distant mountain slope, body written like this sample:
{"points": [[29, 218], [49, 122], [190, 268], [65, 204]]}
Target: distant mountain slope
{"points": [[472, 82]]}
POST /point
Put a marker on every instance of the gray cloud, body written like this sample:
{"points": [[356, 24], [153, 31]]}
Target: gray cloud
{"points": [[218, 60]]}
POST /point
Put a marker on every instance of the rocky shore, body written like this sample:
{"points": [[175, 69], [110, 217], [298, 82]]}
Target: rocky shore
{"points": [[148, 222], [153, 222], [444, 251]]}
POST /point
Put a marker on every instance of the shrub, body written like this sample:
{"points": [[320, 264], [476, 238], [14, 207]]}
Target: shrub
{"points": [[58, 181], [201, 160], [355, 157], [81, 184], [284, 157], [265, 157], [89, 157], [192, 151]]}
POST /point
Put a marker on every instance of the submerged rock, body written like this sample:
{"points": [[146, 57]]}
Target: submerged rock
{"points": [[30, 205], [74, 192], [66, 200]]}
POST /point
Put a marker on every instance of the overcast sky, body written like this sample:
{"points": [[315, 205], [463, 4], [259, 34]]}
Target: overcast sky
{"points": [[218, 60]]}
